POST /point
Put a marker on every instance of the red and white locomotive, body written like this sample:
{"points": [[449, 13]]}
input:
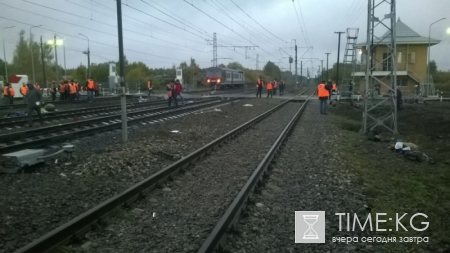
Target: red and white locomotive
{"points": [[224, 77]]}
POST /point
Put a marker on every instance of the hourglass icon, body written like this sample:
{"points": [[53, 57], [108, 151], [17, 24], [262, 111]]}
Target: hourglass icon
{"points": [[310, 233]]}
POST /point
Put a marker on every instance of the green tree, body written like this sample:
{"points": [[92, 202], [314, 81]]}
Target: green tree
{"points": [[235, 65], [272, 70]]}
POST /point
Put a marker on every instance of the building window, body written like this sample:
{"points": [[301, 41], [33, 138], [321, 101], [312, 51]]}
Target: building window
{"points": [[412, 58], [402, 82], [399, 57], [386, 62]]}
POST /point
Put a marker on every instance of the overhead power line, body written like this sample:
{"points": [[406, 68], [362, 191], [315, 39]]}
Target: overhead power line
{"points": [[217, 21], [99, 31], [257, 22]]}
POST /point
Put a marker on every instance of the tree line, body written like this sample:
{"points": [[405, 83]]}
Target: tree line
{"points": [[137, 73]]}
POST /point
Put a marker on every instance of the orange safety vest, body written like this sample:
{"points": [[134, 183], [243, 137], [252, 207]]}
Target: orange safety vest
{"points": [[321, 91], [149, 84], [334, 87], [269, 86], [90, 84], [11, 92], [275, 84], [23, 90], [73, 88]]}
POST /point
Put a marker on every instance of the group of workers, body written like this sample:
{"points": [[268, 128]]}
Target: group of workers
{"points": [[174, 90], [68, 90], [324, 92], [271, 87]]}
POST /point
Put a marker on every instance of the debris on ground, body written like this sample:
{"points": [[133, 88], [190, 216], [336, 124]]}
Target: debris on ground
{"points": [[411, 152], [248, 105]]}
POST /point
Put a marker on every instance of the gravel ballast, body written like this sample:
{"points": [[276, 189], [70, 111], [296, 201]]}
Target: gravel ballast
{"points": [[179, 217], [35, 203], [309, 175]]}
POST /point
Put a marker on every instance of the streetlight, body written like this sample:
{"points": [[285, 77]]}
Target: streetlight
{"points": [[55, 43], [4, 52], [88, 53], [64, 51], [429, 43], [32, 56]]}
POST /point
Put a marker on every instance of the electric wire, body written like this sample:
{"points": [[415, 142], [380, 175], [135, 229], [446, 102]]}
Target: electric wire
{"points": [[258, 23]]}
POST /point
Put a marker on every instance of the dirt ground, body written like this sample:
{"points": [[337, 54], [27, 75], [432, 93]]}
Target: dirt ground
{"points": [[394, 184]]}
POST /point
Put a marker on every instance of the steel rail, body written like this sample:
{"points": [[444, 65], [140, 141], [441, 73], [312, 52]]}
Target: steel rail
{"points": [[4, 122], [217, 238], [23, 120], [90, 129], [6, 107], [49, 129], [78, 226]]}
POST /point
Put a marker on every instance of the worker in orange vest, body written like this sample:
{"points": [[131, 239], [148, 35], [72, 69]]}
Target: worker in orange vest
{"points": [[73, 90], [90, 89], [77, 86], [275, 86], [323, 94], [62, 91], [150, 87], [8, 94], [269, 89], [23, 91], [259, 86]]}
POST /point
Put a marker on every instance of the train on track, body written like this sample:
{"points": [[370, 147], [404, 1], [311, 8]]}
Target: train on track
{"points": [[224, 77]]}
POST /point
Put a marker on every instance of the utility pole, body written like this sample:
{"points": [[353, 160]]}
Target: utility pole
{"points": [[88, 53], [296, 65], [32, 56], [339, 49], [257, 61], [123, 98], [214, 50], [328, 54], [321, 74], [192, 70], [301, 71], [56, 57], [4, 52], [43, 64]]}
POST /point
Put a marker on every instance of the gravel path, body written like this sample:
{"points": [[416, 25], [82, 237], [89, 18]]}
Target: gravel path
{"points": [[178, 217], [35, 203], [308, 176]]}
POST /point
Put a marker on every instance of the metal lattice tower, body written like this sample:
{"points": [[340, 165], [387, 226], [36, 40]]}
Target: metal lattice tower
{"points": [[375, 113], [214, 50], [349, 64]]}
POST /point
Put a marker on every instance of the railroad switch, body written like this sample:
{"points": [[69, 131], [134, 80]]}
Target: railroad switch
{"points": [[15, 162]]}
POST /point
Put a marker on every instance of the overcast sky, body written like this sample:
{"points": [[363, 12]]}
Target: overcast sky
{"points": [[165, 32]]}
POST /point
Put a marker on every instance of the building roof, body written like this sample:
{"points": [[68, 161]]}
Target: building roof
{"points": [[405, 35]]}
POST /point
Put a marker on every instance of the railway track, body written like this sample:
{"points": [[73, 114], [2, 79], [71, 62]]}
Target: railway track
{"points": [[55, 117], [20, 104], [32, 138], [216, 240], [75, 228]]}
